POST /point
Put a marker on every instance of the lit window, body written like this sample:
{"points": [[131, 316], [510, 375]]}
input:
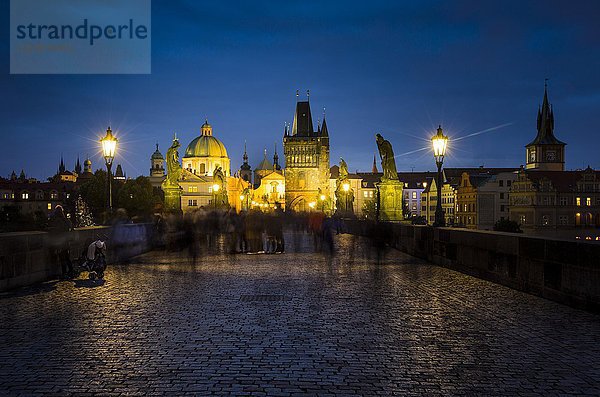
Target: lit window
{"points": [[522, 219], [414, 195], [193, 189], [588, 201], [366, 193], [49, 206], [25, 196], [578, 201]]}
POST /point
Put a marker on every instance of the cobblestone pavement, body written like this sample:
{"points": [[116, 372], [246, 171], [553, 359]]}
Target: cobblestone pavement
{"points": [[292, 324]]}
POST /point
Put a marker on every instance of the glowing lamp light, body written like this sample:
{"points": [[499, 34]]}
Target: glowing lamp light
{"points": [[216, 188], [242, 197], [346, 187], [312, 204], [322, 197], [440, 143], [109, 146]]}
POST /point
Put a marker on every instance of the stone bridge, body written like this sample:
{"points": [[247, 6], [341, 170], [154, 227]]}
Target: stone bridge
{"points": [[360, 322]]}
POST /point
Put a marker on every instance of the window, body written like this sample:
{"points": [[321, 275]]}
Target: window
{"points": [[522, 219], [508, 183], [502, 208], [25, 196], [501, 196], [414, 195], [563, 201], [501, 183], [202, 168], [193, 189], [371, 193], [563, 220], [192, 203], [49, 206], [366, 193], [545, 220], [588, 201], [54, 196], [578, 201]]}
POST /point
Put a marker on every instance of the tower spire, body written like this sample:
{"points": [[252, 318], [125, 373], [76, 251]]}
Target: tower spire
{"points": [[276, 166], [374, 169]]}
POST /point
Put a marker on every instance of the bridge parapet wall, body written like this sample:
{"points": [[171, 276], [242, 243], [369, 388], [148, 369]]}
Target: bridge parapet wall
{"points": [[564, 271], [26, 258]]}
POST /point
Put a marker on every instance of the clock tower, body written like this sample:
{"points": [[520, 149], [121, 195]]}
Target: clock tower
{"points": [[545, 152]]}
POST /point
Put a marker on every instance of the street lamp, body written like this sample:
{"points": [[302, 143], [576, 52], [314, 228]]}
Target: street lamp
{"points": [[216, 188], [346, 188], [109, 146], [440, 142], [322, 198]]}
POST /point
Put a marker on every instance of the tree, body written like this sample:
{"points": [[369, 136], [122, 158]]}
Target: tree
{"points": [[83, 216], [369, 209], [138, 197], [93, 192]]}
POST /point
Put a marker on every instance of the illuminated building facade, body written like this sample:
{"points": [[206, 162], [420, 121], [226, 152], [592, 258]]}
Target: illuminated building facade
{"points": [[306, 154]]}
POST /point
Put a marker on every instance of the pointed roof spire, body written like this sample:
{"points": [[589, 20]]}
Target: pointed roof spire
{"points": [[245, 156], [303, 124], [276, 159], [545, 122], [324, 131], [307, 95], [374, 169]]}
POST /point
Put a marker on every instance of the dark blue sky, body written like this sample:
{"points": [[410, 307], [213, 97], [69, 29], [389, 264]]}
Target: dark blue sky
{"points": [[399, 68]]}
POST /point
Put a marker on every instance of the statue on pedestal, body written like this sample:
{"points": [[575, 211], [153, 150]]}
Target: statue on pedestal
{"points": [[344, 193], [390, 188], [170, 185], [388, 162], [220, 195]]}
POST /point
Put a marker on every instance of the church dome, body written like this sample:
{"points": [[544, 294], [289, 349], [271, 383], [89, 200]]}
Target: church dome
{"points": [[206, 146]]}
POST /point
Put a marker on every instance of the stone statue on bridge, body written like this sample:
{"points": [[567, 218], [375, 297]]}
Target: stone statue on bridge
{"points": [[389, 190], [170, 185], [388, 162]]}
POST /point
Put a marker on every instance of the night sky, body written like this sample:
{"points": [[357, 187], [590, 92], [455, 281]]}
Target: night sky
{"points": [[399, 68]]}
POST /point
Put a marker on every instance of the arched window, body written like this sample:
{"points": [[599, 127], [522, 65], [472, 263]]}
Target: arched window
{"points": [[202, 168]]}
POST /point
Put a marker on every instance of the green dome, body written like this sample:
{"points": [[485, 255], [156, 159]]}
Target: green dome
{"points": [[206, 146]]}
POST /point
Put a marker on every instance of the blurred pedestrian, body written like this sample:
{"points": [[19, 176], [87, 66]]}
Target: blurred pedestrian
{"points": [[59, 228]]}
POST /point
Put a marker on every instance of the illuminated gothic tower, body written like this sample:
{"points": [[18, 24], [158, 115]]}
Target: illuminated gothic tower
{"points": [[306, 153], [545, 152]]}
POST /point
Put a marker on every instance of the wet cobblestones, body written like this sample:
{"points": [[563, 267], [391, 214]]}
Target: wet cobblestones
{"points": [[294, 324]]}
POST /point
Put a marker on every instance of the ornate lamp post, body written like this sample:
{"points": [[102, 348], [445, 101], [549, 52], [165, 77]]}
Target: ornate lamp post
{"points": [[440, 142], [109, 146], [215, 188]]}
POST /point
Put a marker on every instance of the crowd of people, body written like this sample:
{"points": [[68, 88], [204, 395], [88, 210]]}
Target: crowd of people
{"points": [[252, 232]]}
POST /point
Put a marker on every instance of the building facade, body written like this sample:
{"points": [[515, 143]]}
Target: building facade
{"points": [[552, 200], [306, 153]]}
